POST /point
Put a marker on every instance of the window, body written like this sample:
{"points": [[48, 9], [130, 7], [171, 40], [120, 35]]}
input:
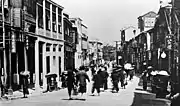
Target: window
{"points": [[59, 25], [47, 5], [48, 22], [48, 64], [54, 48], [59, 48], [40, 2], [47, 48], [59, 11], [54, 60], [40, 16], [66, 31], [54, 8], [54, 22]]}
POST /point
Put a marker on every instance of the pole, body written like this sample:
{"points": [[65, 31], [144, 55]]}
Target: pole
{"points": [[4, 45], [116, 52], [170, 33], [10, 91]]}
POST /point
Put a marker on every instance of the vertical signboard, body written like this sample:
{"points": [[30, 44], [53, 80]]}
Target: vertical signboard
{"points": [[13, 37]]}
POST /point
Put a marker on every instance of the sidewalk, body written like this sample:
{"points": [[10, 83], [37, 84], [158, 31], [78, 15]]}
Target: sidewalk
{"points": [[19, 94]]}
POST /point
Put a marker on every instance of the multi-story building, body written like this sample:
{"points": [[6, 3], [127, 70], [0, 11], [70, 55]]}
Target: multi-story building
{"points": [[146, 21], [81, 54], [95, 52], [34, 41], [84, 42], [78, 54], [69, 45], [49, 54]]}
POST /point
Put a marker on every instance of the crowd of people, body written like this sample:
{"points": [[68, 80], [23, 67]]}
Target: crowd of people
{"points": [[76, 79]]}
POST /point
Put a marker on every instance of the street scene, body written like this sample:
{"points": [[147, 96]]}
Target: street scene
{"points": [[82, 52], [60, 98]]}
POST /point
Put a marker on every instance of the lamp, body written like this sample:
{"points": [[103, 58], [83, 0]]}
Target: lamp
{"points": [[163, 55]]}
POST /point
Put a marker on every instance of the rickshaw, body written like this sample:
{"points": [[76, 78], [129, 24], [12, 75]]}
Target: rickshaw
{"points": [[51, 82]]}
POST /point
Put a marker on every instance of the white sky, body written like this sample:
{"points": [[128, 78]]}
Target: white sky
{"points": [[105, 18]]}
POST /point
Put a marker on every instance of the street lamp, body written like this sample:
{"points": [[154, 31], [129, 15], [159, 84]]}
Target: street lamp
{"points": [[163, 55]]}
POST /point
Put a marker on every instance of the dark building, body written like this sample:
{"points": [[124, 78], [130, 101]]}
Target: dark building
{"points": [[69, 43]]}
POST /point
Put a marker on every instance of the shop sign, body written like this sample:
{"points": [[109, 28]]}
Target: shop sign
{"points": [[13, 43]]}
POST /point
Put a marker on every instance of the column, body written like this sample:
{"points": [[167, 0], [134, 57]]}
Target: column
{"points": [[44, 17], [62, 58], [37, 86], [51, 19], [10, 90], [57, 65], [51, 58], [57, 29], [37, 19], [25, 59], [44, 68]]}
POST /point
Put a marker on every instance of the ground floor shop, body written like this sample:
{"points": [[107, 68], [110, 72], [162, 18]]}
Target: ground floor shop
{"points": [[38, 55]]}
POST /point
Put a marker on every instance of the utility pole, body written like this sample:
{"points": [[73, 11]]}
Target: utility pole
{"points": [[117, 52], [4, 44]]}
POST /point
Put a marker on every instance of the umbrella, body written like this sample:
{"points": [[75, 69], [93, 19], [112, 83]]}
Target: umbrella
{"points": [[127, 66], [150, 67], [154, 73], [131, 68], [25, 73], [164, 73]]}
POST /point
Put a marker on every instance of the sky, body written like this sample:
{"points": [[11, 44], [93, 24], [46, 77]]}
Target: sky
{"points": [[105, 18]]}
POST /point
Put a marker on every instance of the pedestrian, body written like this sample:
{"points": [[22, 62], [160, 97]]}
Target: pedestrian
{"points": [[93, 69], [24, 79], [144, 78], [105, 79], [131, 74], [96, 83], [100, 72], [70, 82], [81, 80], [64, 79], [115, 75], [123, 79]]}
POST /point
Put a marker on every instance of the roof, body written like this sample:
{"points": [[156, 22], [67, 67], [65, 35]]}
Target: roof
{"points": [[151, 12], [75, 18], [53, 2]]}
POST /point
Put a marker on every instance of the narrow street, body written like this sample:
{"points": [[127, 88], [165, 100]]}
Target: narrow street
{"points": [[60, 98]]}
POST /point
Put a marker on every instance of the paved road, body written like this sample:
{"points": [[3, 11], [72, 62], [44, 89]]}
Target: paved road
{"points": [[60, 98]]}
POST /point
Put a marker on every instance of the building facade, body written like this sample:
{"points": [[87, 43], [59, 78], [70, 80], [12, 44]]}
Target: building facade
{"points": [[95, 52], [85, 57], [35, 42], [81, 39], [69, 45], [78, 54]]}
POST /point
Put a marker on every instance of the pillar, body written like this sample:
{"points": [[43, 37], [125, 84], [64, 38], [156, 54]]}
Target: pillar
{"points": [[51, 59], [51, 19], [44, 68], [37, 86], [10, 91], [62, 48], [62, 58], [57, 65], [44, 17], [25, 58]]}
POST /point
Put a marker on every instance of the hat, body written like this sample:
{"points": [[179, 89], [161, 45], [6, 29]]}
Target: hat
{"points": [[150, 67]]}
